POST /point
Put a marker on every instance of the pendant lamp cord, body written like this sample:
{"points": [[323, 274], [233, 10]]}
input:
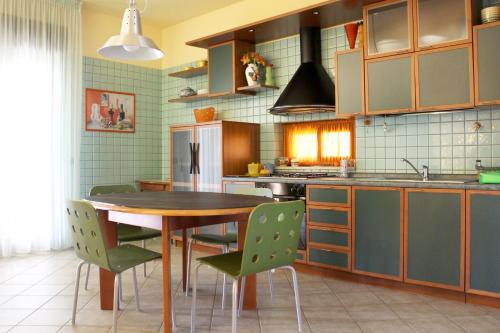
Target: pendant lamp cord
{"points": [[132, 3]]}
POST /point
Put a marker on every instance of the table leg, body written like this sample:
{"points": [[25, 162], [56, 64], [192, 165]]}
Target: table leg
{"points": [[250, 300], [165, 234], [106, 278], [184, 258]]}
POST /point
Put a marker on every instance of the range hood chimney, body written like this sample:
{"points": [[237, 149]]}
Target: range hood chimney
{"points": [[310, 89]]}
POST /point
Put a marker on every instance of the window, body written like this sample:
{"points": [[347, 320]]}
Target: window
{"points": [[319, 143]]}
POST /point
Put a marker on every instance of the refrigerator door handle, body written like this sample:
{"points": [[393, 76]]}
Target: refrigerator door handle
{"points": [[191, 165]]}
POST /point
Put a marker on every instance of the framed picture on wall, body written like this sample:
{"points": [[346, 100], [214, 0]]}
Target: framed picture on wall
{"points": [[109, 111]]}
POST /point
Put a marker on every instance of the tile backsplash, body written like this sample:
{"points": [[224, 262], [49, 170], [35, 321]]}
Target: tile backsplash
{"points": [[120, 158], [445, 141]]}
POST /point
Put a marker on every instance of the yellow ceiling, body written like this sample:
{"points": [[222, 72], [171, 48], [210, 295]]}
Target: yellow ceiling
{"points": [[160, 13]]}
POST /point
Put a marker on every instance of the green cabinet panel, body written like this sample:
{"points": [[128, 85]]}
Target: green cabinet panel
{"points": [[484, 243], [488, 64], [328, 216], [329, 196], [329, 237], [349, 83], [434, 248], [330, 258], [390, 84], [377, 231], [444, 78], [220, 67]]}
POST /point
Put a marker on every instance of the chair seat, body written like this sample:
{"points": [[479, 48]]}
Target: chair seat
{"points": [[215, 239], [130, 233], [127, 256], [229, 263]]}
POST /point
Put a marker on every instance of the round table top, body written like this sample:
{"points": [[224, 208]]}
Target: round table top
{"points": [[178, 203]]}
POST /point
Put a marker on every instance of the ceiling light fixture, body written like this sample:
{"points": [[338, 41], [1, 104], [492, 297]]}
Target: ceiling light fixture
{"points": [[316, 12], [130, 44], [251, 30]]}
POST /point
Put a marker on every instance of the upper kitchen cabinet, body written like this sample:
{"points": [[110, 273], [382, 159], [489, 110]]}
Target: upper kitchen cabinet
{"points": [[388, 28], [440, 23], [349, 87], [487, 63], [444, 78], [225, 73], [390, 85]]}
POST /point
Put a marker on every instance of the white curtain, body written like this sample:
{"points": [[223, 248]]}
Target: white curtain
{"points": [[40, 106]]}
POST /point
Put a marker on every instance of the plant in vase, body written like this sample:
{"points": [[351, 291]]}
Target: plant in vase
{"points": [[255, 63]]}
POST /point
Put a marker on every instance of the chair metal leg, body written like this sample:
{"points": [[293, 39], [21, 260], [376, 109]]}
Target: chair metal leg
{"points": [[144, 246], [75, 297], [188, 277], [224, 279], [136, 290], [297, 296], [87, 278], [172, 296], [115, 302], [242, 294], [270, 273], [193, 301], [234, 319], [120, 289]]}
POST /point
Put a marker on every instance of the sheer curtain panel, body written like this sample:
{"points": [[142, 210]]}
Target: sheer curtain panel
{"points": [[40, 114]]}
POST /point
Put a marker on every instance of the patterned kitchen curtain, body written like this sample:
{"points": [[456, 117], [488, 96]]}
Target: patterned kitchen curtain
{"points": [[40, 115]]}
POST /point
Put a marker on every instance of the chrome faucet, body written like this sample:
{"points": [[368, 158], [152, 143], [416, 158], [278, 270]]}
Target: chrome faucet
{"points": [[425, 170]]}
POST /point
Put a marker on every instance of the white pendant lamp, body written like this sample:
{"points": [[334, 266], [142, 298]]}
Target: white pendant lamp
{"points": [[130, 44]]}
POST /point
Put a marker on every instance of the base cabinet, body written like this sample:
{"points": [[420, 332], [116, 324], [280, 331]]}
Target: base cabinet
{"points": [[435, 238], [377, 230], [483, 243]]}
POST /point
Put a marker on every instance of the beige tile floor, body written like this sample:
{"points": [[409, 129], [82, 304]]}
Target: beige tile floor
{"points": [[36, 296]]}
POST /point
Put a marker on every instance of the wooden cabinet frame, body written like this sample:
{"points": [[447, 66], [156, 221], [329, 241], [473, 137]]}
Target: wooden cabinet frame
{"points": [[337, 83], [468, 288], [462, 239], [470, 104], [476, 65], [335, 248], [416, 28], [328, 204], [402, 241], [332, 225], [409, 22], [368, 112]]}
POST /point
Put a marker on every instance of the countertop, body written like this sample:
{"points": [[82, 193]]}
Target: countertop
{"points": [[464, 182]]}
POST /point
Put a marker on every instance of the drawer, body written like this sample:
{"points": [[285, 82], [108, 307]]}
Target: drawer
{"points": [[325, 195], [333, 238], [329, 258], [339, 217], [154, 187], [301, 256]]}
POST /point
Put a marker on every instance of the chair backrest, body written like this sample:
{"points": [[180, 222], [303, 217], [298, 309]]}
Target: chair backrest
{"points": [[272, 236], [88, 239], [109, 189], [261, 192]]}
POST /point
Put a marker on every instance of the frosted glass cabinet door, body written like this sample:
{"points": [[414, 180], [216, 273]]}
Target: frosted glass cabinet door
{"points": [[487, 63], [389, 28], [349, 82], [442, 22], [180, 165], [209, 166]]}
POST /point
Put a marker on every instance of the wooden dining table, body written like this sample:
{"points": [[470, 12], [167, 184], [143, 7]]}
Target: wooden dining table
{"points": [[170, 211]]}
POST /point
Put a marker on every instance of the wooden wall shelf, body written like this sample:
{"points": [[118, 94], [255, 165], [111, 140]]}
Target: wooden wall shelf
{"points": [[187, 73], [257, 88], [210, 96]]}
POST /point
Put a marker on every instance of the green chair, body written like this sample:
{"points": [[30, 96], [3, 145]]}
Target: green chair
{"points": [[89, 246], [126, 233], [225, 241], [271, 242]]}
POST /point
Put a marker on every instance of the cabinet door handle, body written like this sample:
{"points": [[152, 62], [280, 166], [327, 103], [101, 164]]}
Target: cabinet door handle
{"points": [[197, 158], [191, 165]]}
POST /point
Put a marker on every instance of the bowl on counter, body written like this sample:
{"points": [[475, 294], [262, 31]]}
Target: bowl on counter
{"points": [[204, 115]]}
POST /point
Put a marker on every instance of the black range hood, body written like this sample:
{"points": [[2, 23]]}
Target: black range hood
{"points": [[310, 89]]}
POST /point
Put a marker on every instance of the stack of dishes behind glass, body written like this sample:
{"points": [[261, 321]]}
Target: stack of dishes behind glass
{"points": [[490, 14]]}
